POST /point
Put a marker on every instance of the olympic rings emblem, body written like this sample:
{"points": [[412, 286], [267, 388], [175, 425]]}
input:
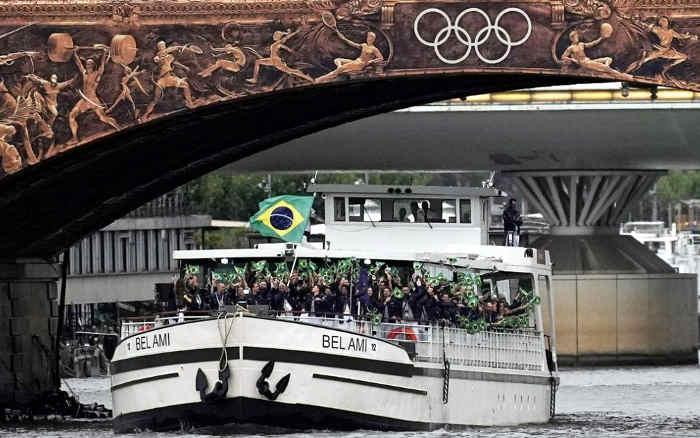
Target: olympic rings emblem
{"points": [[481, 37]]}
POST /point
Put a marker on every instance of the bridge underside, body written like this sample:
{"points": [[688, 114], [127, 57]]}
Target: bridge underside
{"points": [[462, 137], [50, 205]]}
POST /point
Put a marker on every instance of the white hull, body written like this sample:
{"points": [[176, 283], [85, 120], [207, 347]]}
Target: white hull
{"points": [[338, 379]]}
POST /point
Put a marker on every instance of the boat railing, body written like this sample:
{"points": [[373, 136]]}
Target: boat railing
{"points": [[137, 325], [508, 349]]}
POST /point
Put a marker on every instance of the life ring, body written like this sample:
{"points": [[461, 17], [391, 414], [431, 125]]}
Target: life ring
{"points": [[407, 331]]}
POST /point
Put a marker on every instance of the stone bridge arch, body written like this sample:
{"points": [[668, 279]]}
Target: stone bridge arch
{"points": [[104, 105]]}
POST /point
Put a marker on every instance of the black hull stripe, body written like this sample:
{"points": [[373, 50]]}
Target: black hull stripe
{"points": [[258, 411], [263, 354], [371, 384], [171, 358], [328, 360], [317, 359], [144, 380]]}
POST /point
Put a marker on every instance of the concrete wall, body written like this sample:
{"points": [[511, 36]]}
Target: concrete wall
{"points": [[626, 318], [109, 288]]}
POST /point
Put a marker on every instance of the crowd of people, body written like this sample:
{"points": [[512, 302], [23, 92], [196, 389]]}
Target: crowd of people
{"points": [[383, 296]]}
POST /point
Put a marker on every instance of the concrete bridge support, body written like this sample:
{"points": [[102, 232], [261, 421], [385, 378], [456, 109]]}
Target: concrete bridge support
{"points": [[28, 328], [616, 301], [584, 202]]}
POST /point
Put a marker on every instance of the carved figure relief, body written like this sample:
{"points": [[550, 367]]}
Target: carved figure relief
{"points": [[275, 59], [654, 48], [165, 60], [11, 160], [596, 9], [369, 56], [89, 101], [18, 108], [72, 72], [230, 65], [50, 90], [663, 49], [575, 57], [129, 77]]}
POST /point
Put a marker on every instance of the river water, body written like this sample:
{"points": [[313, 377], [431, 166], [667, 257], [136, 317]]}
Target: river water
{"points": [[595, 402]]}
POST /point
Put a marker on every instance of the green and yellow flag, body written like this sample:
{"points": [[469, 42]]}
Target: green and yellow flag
{"points": [[284, 217]]}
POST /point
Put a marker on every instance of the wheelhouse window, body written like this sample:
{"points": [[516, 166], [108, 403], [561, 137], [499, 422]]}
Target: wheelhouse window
{"points": [[426, 210], [465, 211], [339, 209], [402, 210], [368, 210]]}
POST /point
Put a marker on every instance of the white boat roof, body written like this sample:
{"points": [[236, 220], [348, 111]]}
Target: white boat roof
{"points": [[404, 190], [478, 257]]}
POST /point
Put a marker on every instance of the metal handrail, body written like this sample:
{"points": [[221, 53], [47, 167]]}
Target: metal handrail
{"points": [[510, 349], [133, 327], [518, 349]]}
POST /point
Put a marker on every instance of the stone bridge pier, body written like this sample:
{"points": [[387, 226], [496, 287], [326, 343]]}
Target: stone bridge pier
{"points": [[28, 330], [616, 301]]}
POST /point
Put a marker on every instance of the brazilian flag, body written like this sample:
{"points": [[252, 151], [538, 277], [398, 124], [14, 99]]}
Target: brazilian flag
{"points": [[284, 217]]}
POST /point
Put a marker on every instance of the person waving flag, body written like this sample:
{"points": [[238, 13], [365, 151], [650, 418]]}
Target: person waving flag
{"points": [[284, 217]]}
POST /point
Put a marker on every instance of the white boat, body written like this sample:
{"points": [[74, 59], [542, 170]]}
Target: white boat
{"points": [[680, 249], [304, 371]]}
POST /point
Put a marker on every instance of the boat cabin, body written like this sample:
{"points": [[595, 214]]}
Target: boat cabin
{"points": [[405, 217]]}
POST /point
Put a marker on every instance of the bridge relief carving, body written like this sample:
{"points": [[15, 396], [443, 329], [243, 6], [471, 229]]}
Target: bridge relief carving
{"points": [[72, 72]]}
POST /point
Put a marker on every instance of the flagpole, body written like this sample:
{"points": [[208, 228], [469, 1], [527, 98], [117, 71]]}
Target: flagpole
{"points": [[294, 263]]}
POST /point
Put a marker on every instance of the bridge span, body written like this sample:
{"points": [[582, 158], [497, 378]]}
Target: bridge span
{"points": [[94, 87], [584, 127]]}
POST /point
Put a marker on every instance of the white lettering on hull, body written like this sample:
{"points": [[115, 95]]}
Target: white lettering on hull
{"points": [[149, 341], [337, 342]]}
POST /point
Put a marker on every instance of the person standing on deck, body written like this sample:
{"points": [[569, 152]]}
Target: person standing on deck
{"points": [[511, 223]]}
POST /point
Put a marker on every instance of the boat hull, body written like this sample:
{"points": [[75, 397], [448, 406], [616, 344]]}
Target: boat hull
{"points": [[338, 380]]}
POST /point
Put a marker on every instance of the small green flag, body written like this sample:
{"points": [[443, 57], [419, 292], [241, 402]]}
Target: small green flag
{"points": [[284, 217]]}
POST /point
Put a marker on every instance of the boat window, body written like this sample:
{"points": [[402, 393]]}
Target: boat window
{"points": [[339, 209], [465, 211], [368, 210], [507, 284], [402, 210], [425, 210]]}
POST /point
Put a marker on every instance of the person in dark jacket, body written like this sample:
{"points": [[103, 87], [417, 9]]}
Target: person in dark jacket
{"points": [[367, 300], [264, 292], [254, 297], [390, 307], [217, 297], [448, 310], [277, 295], [429, 309], [329, 301], [511, 222], [315, 303], [415, 297], [491, 312], [342, 300]]}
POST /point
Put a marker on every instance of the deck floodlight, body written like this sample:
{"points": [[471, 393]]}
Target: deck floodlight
{"points": [[368, 261], [289, 254], [224, 261]]}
